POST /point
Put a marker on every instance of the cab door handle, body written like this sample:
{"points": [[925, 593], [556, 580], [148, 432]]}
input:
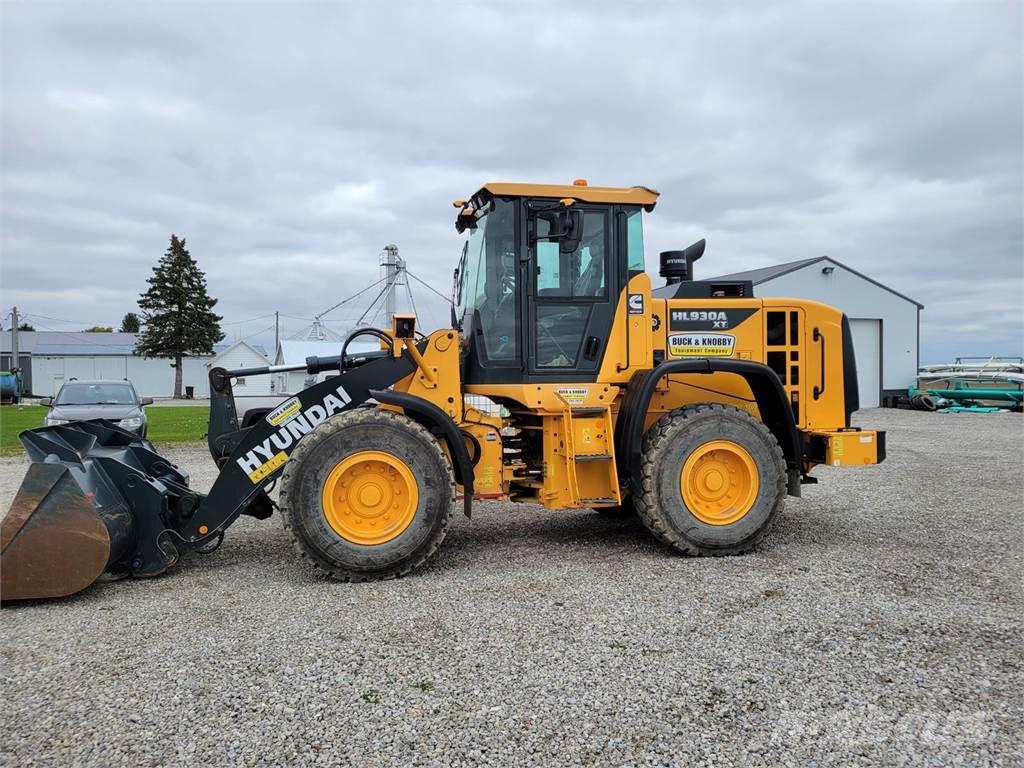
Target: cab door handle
{"points": [[592, 347]]}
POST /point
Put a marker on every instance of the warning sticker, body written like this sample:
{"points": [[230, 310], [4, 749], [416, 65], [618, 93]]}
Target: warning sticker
{"points": [[284, 411], [701, 344], [573, 395], [269, 467]]}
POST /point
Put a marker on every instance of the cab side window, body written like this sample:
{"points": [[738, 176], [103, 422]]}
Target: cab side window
{"points": [[635, 241], [580, 274]]}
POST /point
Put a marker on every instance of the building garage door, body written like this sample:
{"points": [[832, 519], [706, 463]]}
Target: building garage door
{"points": [[867, 347]]}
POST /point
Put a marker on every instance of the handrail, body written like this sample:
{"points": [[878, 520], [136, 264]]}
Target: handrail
{"points": [[819, 391]]}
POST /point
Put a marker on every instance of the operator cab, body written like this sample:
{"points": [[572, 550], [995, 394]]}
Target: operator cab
{"points": [[541, 275]]}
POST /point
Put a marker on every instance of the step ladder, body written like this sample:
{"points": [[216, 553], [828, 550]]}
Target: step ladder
{"points": [[589, 438]]}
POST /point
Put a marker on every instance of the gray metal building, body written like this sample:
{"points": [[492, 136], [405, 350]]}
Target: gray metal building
{"points": [[49, 358]]}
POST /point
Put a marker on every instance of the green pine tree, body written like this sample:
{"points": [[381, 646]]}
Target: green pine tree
{"points": [[177, 311], [130, 323]]}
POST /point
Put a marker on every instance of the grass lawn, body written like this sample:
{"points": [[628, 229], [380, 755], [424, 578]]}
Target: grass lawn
{"points": [[185, 424]]}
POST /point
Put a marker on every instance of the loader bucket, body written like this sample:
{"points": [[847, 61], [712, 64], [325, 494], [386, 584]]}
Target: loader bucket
{"points": [[96, 498], [54, 542]]}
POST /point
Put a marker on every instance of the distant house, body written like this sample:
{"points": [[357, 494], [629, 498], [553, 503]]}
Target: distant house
{"points": [[242, 355], [49, 358], [295, 352]]}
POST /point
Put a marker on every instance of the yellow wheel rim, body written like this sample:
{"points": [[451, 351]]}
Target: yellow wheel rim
{"points": [[370, 497], [719, 482]]}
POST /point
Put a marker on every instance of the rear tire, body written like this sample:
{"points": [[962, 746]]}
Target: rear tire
{"points": [[405, 464], [735, 496]]}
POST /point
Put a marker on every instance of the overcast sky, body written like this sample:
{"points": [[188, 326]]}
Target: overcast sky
{"points": [[288, 144]]}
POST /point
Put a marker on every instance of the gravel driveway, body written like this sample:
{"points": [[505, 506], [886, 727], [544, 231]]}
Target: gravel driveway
{"points": [[879, 623]]}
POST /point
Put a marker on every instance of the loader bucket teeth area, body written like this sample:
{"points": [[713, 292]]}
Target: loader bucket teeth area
{"points": [[96, 498], [54, 542]]}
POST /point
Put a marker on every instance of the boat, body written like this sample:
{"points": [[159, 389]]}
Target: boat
{"points": [[975, 381]]}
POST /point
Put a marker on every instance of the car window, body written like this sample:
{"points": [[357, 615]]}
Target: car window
{"points": [[81, 393]]}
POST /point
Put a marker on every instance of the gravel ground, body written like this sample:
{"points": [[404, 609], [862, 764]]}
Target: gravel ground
{"points": [[879, 623]]}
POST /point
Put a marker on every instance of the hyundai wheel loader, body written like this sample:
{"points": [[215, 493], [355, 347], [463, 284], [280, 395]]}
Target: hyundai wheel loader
{"points": [[696, 406]]}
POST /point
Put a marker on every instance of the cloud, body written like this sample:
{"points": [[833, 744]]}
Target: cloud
{"points": [[289, 144], [78, 101]]}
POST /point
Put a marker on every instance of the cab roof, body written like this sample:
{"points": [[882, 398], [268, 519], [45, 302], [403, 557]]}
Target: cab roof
{"points": [[579, 190]]}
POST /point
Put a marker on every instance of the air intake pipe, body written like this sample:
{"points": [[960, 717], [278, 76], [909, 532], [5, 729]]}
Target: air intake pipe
{"points": [[677, 266]]}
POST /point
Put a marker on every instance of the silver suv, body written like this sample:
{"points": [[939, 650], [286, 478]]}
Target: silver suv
{"points": [[116, 401]]}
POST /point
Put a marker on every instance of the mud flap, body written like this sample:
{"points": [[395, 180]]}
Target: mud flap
{"points": [[54, 543]]}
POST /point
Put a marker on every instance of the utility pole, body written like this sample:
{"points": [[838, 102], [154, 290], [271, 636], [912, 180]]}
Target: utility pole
{"points": [[273, 355], [14, 338], [15, 356]]}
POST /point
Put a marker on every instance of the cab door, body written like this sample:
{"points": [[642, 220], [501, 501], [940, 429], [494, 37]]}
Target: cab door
{"points": [[571, 289]]}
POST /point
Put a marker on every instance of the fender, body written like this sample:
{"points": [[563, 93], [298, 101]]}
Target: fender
{"points": [[768, 394], [442, 425]]}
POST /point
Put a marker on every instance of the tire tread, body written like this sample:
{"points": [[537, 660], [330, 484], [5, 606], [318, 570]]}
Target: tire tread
{"points": [[324, 432], [657, 439]]}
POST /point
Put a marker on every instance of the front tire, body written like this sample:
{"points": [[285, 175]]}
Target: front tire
{"points": [[368, 495], [714, 478]]}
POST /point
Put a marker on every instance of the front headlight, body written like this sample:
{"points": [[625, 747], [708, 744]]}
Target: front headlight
{"points": [[130, 423], [52, 422]]}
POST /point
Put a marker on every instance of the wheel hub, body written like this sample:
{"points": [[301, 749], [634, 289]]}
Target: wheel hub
{"points": [[719, 482], [370, 497]]}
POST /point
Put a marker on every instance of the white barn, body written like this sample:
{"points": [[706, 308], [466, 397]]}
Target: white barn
{"points": [[242, 355], [885, 324]]}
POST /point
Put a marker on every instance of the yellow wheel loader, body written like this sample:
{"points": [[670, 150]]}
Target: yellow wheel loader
{"points": [[565, 381]]}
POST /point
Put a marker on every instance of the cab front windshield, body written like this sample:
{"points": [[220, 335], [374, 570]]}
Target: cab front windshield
{"points": [[486, 292]]}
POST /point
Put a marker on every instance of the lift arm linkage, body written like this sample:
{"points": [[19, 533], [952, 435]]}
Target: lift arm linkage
{"points": [[251, 458]]}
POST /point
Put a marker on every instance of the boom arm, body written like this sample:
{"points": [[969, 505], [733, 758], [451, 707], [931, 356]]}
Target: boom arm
{"points": [[249, 459]]}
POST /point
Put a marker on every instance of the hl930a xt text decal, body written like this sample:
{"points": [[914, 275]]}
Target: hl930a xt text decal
{"points": [[710, 319]]}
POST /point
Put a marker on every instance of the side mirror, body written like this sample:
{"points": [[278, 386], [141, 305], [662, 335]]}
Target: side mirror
{"points": [[466, 219], [565, 227], [47, 401], [570, 222], [146, 401]]}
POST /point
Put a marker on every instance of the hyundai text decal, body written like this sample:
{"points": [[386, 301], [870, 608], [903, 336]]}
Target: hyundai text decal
{"points": [[711, 319], [267, 457]]}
